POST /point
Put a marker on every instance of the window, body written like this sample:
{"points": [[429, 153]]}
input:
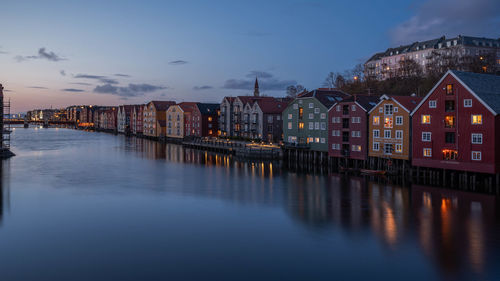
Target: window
{"points": [[449, 89], [345, 109], [449, 106], [427, 152], [317, 140], [295, 106], [335, 119], [399, 134], [278, 117], [338, 107], [323, 116], [290, 116], [426, 119], [432, 104], [396, 109], [477, 119], [335, 146], [449, 121], [311, 105], [345, 136], [380, 109], [477, 138], [399, 120], [311, 125], [335, 133], [356, 134], [301, 125], [356, 147], [388, 109], [388, 122], [345, 123], [289, 125], [316, 125], [387, 134], [355, 119], [376, 120], [388, 148], [269, 119], [399, 148], [311, 116], [449, 137], [467, 102], [376, 134], [376, 146], [322, 140], [301, 113], [310, 139], [476, 155], [449, 154], [323, 126], [316, 110], [353, 107], [426, 136], [210, 119]]}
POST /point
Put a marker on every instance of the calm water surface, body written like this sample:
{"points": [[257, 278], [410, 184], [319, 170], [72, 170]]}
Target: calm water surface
{"points": [[92, 206]]}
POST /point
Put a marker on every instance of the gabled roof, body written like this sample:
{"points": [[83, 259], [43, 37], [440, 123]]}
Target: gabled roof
{"points": [[408, 103], [162, 105], [208, 108], [252, 99], [366, 102], [271, 107], [326, 96], [484, 87], [187, 106]]}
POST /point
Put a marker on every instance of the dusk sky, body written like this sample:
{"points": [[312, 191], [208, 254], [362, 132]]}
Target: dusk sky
{"points": [[60, 53]]}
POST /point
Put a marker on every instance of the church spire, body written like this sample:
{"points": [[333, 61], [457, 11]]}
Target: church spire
{"points": [[256, 88]]}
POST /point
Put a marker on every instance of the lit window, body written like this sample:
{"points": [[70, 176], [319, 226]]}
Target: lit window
{"points": [[476, 155], [449, 154], [289, 125], [477, 138], [290, 116], [426, 119], [301, 113], [356, 147], [301, 125], [477, 119], [388, 122], [467, 102], [376, 120], [317, 140], [399, 148], [376, 146], [376, 134], [399, 120], [449, 89], [449, 121], [427, 152], [432, 104]]}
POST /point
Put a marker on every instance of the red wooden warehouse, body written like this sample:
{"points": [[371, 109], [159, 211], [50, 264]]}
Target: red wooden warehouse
{"points": [[457, 125]]}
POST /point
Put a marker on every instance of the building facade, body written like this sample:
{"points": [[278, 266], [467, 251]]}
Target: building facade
{"points": [[348, 127], [152, 113], [205, 120], [124, 115], [179, 120], [136, 122], [305, 120], [389, 127], [457, 125], [387, 64]]}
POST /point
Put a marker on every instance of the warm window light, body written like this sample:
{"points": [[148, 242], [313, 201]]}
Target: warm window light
{"points": [[209, 119], [449, 121], [449, 154], [301, 125], [426, 119], [477, 119], [388, 122], [376, 120]]}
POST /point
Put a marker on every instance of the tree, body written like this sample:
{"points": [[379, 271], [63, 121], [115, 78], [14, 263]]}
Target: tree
{"points": [[334, 80], [293, 91]]}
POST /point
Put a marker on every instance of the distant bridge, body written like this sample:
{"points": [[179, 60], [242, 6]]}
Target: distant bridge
{"points": [[21, 121]]}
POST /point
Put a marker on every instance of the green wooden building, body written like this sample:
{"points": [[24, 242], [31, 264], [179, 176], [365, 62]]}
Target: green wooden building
{"points": [[305, 120]]}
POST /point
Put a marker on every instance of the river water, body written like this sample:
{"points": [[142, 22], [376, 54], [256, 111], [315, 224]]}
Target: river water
{"points": [[81, 205]]}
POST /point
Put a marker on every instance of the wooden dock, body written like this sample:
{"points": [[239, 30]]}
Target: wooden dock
{"points": [[240, 149]]}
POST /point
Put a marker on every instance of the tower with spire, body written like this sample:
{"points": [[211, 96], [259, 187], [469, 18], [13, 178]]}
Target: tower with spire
{"points": [[256, 88]]}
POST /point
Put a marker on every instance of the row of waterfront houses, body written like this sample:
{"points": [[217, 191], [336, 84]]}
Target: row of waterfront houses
{"points": [[455, 127]]}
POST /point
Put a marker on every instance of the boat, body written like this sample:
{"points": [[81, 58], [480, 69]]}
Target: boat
{"points": [[372, 172]]}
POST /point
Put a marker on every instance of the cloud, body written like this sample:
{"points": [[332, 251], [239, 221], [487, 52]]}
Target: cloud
{"points": [[132, 90], [73, 90], [267, 81], [435, 18], [178, 62], [63, 73], [259, 74], [122, 75], [204, 87], [2, 51], [38, 87], [42, 54], [100, 78], [81, 83]]}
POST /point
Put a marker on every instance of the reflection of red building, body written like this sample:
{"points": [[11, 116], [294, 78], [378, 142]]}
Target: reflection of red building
{"points": [[457, 125], [452, 227]]}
